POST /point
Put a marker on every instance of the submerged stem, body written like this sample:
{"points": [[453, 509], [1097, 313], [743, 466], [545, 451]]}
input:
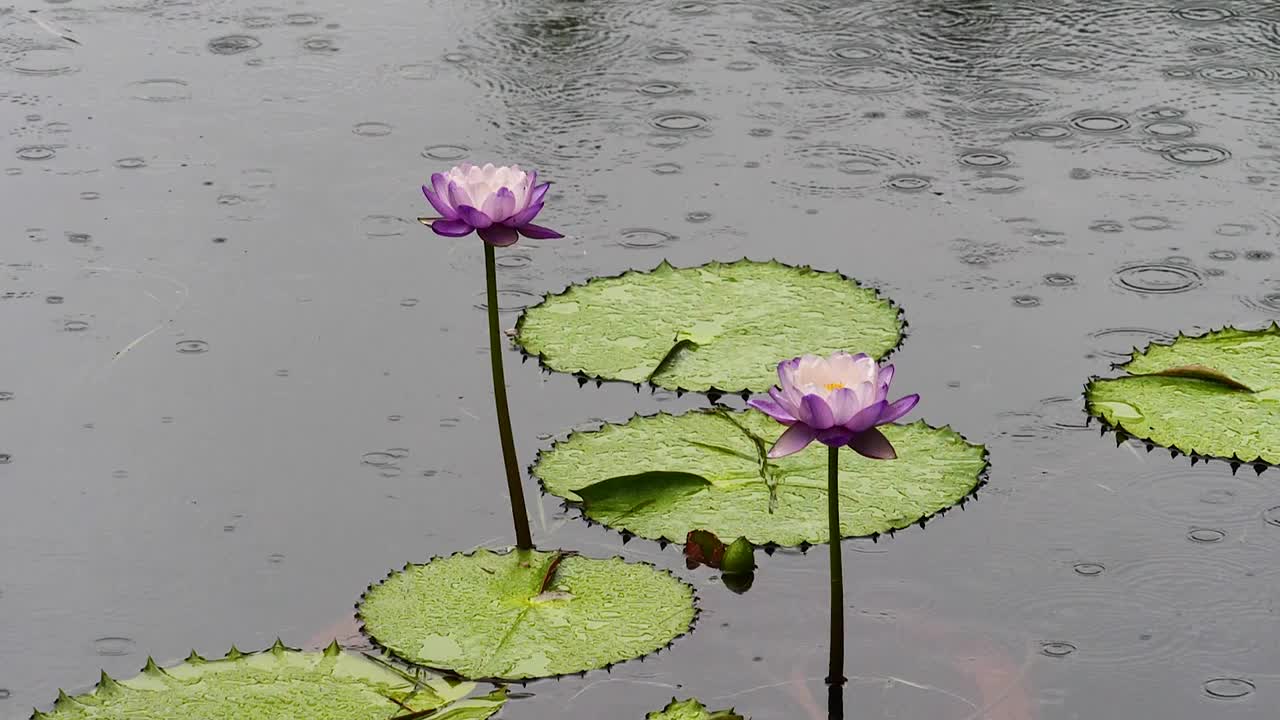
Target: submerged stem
{"points": [[835, 674], [524, 539]]}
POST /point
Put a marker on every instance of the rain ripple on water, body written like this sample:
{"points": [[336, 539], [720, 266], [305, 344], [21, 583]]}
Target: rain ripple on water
{"points": [[984, 159], [1099, 123], [1120, 342], [446, 152], [1157, 278], [510, 300], [1228, 688], [160, 90], [1197, 154], [645, 238], [233, 44], [1002, 102], [113, 646]]}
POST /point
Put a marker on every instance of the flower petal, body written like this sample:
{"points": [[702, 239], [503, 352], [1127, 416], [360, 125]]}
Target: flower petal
{"points": [[900, 407], [525, 190], [872, 444], [867, 418], [886, 375], [845, 366], [451, 228], [458, 195], [537, 193], [796, 438], [835, 436], [440, 184], [882, 382], [474, 217], [815, 412], [866, 394], [524, 217], [439, 204], [499, 235], [788, 400], [844, 405], [773, 410], [787, 373], [508, 203], [537, 232], [492, 204]]}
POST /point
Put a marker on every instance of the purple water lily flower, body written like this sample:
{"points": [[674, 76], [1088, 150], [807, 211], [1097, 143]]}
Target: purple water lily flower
{"points": [[499, 203], [836, 400]]}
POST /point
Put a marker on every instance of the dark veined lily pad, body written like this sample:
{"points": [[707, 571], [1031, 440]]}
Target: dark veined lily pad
{"points": [[936, 468], [713, 327], [525, 614], [277, 684], [691, 710], [1216, 395]]}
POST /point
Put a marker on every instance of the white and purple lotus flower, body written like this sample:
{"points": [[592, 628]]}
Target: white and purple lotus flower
{"points": [[499, 203], [836, 400]]}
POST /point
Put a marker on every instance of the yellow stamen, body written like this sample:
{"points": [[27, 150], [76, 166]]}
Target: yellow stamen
{"points": [[835, 386]]}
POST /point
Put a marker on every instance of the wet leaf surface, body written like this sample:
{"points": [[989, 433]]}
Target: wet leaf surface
{"points": [[278, 684], [722, 326], [935, 469], [525, 614], [1216, 395]]}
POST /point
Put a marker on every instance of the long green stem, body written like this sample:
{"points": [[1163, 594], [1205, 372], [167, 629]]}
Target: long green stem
{"points": [[524, 539], [835, 674]]}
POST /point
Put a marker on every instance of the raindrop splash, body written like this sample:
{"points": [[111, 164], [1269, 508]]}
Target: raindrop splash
{"points": [[1157, 278]]}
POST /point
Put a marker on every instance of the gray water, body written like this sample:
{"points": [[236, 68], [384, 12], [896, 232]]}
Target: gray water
{"points": [[239, 382]]}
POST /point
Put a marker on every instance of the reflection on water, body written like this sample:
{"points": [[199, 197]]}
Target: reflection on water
{"points": [[1042, 185]]}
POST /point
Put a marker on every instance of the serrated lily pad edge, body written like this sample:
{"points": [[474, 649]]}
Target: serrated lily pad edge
{"points": [[1122, 435], [108, 683], [451, 674], [677, 701], [769, 548], [713, 393]]}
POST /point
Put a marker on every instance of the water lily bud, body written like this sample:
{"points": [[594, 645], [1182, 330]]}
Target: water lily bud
{"points": [[739, 558]]}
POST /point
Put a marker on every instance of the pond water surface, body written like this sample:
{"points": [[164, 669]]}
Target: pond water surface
{"points": [[239, 382]]}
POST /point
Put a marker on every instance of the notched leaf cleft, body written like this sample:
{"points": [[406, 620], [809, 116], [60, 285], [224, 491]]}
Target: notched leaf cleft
{"points": [[716, 328], [1209, 396], [525, 614], [714, 482]]}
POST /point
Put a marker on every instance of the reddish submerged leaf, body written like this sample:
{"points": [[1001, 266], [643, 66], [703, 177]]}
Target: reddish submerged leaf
{"points": [[702, 547]]}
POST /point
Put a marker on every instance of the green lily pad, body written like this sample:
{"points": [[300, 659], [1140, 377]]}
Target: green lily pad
{"points": [[1216, 395], [525, 614], [691, 710], [276, 684], [713, 327], [936, 468]]}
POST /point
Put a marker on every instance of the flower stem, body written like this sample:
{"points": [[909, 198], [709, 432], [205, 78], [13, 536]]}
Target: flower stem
{"points": [[524, 539], [835, 674]]}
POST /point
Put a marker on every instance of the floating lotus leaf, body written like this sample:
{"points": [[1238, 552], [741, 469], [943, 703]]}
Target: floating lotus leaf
{"points": [[276, 684], [717, 326], [525, 614], [691, 710], [936, 468], [1216, 395]]}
